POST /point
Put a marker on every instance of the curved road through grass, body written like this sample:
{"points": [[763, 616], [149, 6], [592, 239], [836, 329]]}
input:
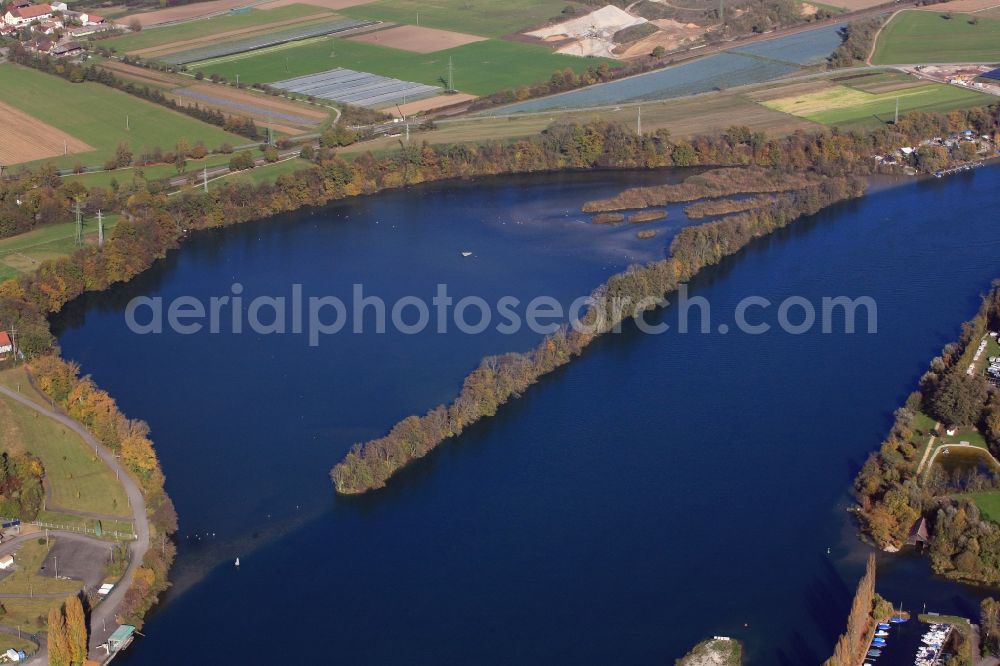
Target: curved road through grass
{"points": [[104, 613]]}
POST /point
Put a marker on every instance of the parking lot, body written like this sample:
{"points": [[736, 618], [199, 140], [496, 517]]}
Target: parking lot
{"points": [[83, 559]]}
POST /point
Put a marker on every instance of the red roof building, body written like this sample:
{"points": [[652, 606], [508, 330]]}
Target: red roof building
{"points": [[24, 15]]}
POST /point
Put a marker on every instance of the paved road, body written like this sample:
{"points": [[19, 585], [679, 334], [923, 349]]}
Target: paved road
{"points": [[104, 614]]}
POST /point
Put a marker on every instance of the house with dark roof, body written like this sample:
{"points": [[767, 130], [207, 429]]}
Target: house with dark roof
{"points": [[66, 49], [919, 535]]}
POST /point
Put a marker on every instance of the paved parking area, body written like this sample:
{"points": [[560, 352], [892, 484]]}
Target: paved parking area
{"points": [[80, 560]]}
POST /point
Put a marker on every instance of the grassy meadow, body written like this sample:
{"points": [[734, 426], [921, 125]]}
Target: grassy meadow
{"points": [[267, 173], [97, 114], [78, 478], [989, 504], [488, 18], [684, 117], [914, 37], [846, 106], [213, 25], [479, 68], [22, 253]]}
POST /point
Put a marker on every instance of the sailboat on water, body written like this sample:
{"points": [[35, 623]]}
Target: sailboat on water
{"points": [[237, 563]]}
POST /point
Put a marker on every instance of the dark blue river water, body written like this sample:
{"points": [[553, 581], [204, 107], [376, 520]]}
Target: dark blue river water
{"points": [[659, 490]]}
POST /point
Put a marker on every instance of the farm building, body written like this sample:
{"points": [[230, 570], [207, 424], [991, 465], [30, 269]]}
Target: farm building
{"points": [[6, 562], [66, 49], [18, 16], [6, 346]]}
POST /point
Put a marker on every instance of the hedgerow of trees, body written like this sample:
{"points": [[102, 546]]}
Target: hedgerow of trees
{"points": [[858, 38], [867, 609], [21, 491], [499, 379]]}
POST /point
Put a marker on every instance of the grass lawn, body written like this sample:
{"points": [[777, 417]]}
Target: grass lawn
{"points": [[22, 253], [108, 527], [479, 68], [96, 114], [30, 615], [8, 642], [488, 18], [207, 27], [845, 106], [261, 174], [989, 504], [26, 579], [968, 435], [915, 37], [79, 480]]}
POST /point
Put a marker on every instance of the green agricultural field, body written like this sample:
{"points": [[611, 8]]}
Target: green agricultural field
{"points": [[915, 37], [207, 27], [78, 479], [479, 68], [844, 106], [488, 18], [96, 114], [22, 253], [989, 504]]}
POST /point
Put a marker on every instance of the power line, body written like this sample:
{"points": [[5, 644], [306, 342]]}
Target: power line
{"points": [[79, 225]]}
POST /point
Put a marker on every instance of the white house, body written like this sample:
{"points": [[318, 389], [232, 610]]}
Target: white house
{"points": [[6, 562], [18, 16], [59, 6], [6, 346]]}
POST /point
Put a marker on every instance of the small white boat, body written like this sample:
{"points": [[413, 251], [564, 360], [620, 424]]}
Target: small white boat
{"points": [[237, 562], [466, 254]]}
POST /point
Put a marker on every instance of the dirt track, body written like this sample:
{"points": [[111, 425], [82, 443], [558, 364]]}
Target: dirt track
{"points": [[432, 103], [31, 139]]}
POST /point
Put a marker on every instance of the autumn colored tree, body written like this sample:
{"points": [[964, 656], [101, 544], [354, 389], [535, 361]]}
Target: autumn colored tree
{"points": [[58, 639], [76, 629], [851, 645]]}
